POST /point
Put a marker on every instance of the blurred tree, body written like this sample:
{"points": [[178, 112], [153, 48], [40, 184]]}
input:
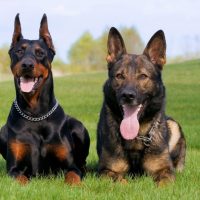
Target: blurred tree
{"points": [[59, 65], [82, 52], [88, 53], [4, 60], [133, 42], [101, 51]]}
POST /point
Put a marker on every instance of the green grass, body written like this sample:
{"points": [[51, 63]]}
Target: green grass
{"points": [[81, 96]]}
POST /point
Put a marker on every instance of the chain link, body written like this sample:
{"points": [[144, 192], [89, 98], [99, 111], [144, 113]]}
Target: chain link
{"points": [[147, 140], [34, 119]]}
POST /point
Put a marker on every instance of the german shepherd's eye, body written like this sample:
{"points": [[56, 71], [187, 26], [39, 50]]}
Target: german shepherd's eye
{"points": [[39, 53], [20, 52], [119, 76], [142, 76]]}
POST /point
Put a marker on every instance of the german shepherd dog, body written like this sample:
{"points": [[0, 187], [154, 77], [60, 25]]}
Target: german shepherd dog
{"points": [[38, 137], [134, 135]]}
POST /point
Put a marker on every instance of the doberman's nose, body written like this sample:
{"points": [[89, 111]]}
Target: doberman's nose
{"points": [[27, 65]]}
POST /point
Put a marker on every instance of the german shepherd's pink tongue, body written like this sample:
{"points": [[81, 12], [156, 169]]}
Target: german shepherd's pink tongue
{"points": [[129, 126], [27, 84]]}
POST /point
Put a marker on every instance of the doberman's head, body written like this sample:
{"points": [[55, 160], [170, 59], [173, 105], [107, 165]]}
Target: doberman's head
{"points": [[135, 80], [31, 60]]}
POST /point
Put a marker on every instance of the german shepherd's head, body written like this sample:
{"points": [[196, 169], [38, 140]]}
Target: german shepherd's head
{"points": [[31, 61], [134, 89]]}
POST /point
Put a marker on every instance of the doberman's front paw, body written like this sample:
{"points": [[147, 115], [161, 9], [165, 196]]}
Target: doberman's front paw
{"points": [[72, 178], [22, 179]]}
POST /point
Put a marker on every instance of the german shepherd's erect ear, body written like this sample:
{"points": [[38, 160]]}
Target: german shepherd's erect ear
{"points": [[17, 34], [156, 49], [116, 46], [45, 35]]}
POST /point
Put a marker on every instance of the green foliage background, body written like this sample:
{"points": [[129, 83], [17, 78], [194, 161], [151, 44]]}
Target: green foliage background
{"points": [[4, 60], [88, 53]]}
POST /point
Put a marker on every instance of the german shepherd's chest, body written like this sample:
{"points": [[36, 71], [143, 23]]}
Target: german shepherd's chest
{"points": [[134, 152]]}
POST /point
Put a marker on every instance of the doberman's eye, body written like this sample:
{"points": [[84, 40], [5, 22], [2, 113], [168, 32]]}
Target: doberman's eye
{"points": [[20, 52], [39, 53], [119, 76], [143, 76]]}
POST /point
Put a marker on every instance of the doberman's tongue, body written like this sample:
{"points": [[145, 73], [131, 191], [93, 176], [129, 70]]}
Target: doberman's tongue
{"points": [[130, 125], [26, 84]]}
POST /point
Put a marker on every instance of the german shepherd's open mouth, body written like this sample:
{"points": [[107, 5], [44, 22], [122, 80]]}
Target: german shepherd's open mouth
{"points": [[130, 125]]}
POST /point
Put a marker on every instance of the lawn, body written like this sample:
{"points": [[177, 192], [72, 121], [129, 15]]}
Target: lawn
{"points": [[81, 96]]}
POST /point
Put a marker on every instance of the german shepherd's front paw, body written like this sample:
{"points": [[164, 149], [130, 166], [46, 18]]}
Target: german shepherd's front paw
{"points": [[113, 175], [164, 179]]}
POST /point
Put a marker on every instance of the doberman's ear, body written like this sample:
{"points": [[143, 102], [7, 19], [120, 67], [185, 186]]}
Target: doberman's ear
{"points": [[17, 35], [156, 49], [44, 33], [116, 46]]}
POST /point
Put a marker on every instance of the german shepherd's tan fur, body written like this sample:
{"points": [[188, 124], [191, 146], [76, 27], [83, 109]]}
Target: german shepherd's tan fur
{"points": [[136, 80]]}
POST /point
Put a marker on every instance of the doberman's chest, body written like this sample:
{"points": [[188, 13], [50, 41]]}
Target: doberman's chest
{"points": [[43, 141]]}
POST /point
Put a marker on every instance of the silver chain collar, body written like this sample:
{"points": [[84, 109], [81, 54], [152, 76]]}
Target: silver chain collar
{"points": [[148, 139], [34, 119]]}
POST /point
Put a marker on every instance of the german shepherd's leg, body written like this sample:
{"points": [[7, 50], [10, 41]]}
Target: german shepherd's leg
{"points": [[177, 145], [178, 155], [113, 166], [113, 161], [159, 166]]}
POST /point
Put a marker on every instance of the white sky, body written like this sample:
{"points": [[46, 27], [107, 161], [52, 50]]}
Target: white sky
{"points": [[180, 20]]}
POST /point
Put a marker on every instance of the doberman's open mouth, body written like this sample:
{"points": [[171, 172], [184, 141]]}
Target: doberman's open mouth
{"points": [[129, 126], [28, 84]]}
